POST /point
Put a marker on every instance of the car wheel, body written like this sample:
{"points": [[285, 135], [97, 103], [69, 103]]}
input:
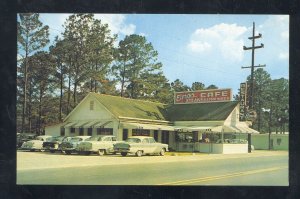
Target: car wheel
{"points": [[139, 153], [101, 152], [162, 152], [123, 153]]}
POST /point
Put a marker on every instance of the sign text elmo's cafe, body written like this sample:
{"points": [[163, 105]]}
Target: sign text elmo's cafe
{"points": [[202, 96]]}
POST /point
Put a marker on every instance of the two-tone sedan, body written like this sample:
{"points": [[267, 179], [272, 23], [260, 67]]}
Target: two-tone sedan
{"points": [[36, 144], [100, 144], [69, 146], [54, 143], [140, 145]]}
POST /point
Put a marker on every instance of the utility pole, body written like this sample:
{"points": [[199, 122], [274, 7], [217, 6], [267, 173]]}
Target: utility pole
{"points": [[253, 47]]}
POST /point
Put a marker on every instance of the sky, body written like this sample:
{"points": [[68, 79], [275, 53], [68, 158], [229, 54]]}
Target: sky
{"points": [[201, 47]]}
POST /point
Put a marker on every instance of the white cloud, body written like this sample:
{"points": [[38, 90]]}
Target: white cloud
{"points": [[143, 34], [116, 23], [276, 36], [223, 40], [199, 46], [283, 55], [285, 35], [277, 25]]}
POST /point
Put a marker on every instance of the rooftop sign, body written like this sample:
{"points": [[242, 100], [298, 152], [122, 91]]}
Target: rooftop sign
{"points": [[202, 96]]}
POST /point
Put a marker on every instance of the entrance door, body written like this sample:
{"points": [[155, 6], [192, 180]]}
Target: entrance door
{"points": [[271, 144], [155, 135], [165, 137], [125, 134]]}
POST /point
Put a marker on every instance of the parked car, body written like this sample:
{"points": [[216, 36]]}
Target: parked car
{"points": [[54, 143], [69, 145], [36, 144], [100, 144], [140, 145], [22, 137]]}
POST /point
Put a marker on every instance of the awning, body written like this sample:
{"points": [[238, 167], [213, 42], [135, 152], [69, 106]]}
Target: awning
{"points": [[80, 124], [243, 127], [147, 126], [102, 124], [193, 128], [91, 124], [240, 127]]}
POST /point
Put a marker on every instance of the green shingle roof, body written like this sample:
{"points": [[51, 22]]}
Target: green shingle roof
{"points": [[215, 111], [126, 107]]}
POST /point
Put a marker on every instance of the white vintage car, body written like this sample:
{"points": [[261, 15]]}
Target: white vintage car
{"points": [[140, 145], [36, 144], [69, 145], [100, 144]]}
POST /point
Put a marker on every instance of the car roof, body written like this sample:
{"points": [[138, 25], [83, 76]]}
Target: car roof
{"points": [[87, 136], [44, 136], [140, 137]]}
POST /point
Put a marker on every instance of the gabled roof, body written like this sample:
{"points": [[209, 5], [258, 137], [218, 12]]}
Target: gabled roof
{"points": [[125, 107], [215, 111]]}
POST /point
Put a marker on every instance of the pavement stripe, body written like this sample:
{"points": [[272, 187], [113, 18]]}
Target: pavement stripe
{"points": [[210, 178]]}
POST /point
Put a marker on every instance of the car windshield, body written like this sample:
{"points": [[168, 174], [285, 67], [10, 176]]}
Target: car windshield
{"points": [[60, 138], [134, 140], [53, 139], [74, 139], [94, 138]]}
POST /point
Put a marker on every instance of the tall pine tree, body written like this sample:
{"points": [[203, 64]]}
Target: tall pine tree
{"points": [[32, 36]]}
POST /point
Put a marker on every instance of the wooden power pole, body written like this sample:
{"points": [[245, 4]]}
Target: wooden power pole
{"points": [[253, 47]]}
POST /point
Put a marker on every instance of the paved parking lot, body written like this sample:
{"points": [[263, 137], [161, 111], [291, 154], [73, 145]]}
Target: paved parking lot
{"points": [[43, 160]]}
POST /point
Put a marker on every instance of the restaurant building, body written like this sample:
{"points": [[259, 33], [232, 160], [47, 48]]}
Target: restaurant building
{"points": [[211, 127]]}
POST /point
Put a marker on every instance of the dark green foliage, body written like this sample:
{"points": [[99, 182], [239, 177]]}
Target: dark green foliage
{"points": [[271, 102], [31, 36], [136, 67]]}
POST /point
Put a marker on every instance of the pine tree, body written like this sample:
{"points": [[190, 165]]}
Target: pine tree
{"points": [[136, 60], [32, 36]]}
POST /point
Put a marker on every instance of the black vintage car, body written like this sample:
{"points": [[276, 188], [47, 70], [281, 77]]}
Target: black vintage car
{"points": [[53, 145], [22, 137]]}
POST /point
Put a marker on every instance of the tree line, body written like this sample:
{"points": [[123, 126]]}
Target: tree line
{"points": [[84, 58]]}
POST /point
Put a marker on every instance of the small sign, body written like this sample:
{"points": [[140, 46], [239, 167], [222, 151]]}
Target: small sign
{"points": [[202, 96]]}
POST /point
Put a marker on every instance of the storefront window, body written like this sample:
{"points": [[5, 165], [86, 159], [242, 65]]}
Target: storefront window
{"points": [[230, 138], [104, 131], [184, 137], [81, 131], [90, 131], [140, 132], [72, 130]]}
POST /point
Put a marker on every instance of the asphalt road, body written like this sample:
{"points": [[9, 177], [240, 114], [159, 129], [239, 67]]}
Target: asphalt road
{"points": [[262, 169]]}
